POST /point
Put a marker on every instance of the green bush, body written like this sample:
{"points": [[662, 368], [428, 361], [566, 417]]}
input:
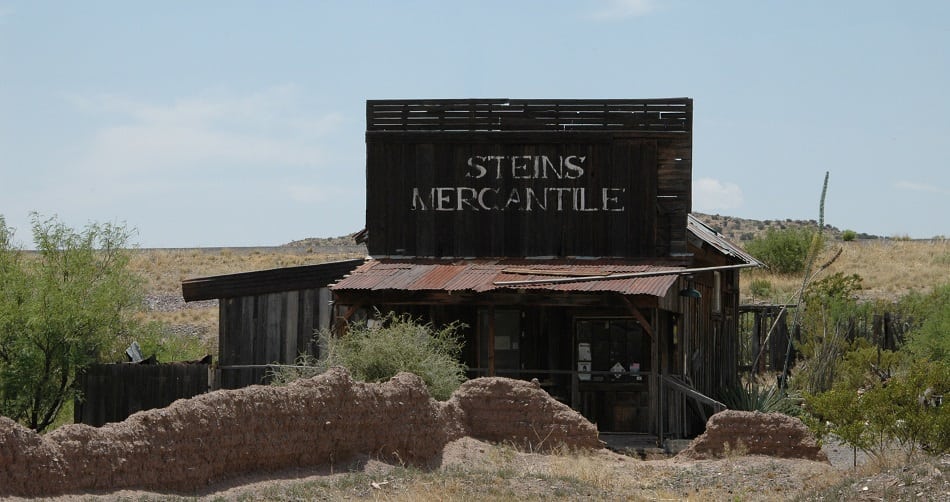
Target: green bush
{"points": [[849, 235], [830, 309], [931, 340], [785, 251], [760, 288], [901, 408], [394, 344], [155, 339]]}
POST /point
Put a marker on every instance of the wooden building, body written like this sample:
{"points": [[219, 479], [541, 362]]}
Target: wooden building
{"points": [[559, 232], [267, 317]]}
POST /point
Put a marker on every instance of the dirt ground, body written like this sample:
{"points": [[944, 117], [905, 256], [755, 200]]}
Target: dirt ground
{"points": [[467, 464]]}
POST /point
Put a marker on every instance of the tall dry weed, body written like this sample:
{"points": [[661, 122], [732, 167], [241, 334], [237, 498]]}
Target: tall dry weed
{"points": [[889, 269]]}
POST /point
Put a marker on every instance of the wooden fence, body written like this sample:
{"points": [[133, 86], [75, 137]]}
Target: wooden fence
{"points": [[112, 392], [884, 329]]}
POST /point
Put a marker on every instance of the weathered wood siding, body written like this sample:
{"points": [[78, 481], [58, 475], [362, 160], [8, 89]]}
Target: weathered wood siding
{"points": [[711, 340], [271, 328], [112, 392], [489, 178]]}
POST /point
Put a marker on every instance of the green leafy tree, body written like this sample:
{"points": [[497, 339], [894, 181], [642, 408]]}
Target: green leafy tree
{"points": [[394, 344], [62, 307], [785, 251]]}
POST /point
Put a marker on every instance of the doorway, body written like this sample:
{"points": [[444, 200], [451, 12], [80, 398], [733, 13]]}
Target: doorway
{"points": [[614, 364], [499, 341]]}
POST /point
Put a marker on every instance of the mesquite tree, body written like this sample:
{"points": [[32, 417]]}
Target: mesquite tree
{"points": [[62, 307]]}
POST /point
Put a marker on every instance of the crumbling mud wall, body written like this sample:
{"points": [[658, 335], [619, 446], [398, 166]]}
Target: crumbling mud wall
{"points": [[328, 419], [754, 433], [505, 410]]}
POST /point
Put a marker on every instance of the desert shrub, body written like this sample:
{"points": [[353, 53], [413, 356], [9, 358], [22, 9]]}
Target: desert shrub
{"points": [[395, 343], [849, 235], [785, 251], [902, 407], [756, 397], [830, 308], [155, 339], [760, 288], [930, 340]]}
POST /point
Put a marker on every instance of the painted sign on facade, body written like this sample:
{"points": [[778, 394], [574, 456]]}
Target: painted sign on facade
{"points": [[538, 187], [513, 198]]}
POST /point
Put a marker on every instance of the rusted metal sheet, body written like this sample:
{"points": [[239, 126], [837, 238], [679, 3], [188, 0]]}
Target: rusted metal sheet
{"points": [[438, 277], [482, 274]]}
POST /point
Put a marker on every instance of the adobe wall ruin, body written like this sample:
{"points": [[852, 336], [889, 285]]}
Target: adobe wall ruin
{"points": [[325, 420], [754, 433]]}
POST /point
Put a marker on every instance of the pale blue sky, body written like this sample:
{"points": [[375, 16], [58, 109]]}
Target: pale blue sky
{"points": [[223, 123]]}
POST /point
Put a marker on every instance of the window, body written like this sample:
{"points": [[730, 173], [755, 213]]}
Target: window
{"points": [[613, 341], [717, 293]]}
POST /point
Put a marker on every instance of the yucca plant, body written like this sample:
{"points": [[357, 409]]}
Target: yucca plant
{"points": [[755, 397]]}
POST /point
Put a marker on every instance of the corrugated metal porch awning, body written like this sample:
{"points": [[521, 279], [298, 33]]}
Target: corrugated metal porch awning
{"points": [[481, 275]]}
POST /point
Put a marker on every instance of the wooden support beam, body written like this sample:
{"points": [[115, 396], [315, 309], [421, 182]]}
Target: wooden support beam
{"points": [[639, 317], [341, 322], [350, 311]]}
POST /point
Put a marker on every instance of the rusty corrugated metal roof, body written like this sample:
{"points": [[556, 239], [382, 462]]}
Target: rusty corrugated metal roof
{"points": [[718, 241], [481, 275]]}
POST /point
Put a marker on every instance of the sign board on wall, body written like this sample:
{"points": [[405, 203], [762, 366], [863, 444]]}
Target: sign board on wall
{"points": [[525, 193]]}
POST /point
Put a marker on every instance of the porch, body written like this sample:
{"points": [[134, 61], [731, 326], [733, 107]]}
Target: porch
{"points": [[611, 349]]}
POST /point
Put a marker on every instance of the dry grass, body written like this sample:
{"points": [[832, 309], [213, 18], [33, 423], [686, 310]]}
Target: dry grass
{"points": [[889, 269], [204, 317], [500, 472], [164, 270]]}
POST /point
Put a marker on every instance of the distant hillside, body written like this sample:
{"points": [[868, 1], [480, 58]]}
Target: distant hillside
{"points": [[341, 244], [735, 229], [741, 229]]}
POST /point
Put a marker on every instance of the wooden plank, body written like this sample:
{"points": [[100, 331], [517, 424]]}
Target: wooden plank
{"points": [[273, 332], [324, 308], [530, 114], [114, 391], [223, 322], [291, 304], [309, 321]]}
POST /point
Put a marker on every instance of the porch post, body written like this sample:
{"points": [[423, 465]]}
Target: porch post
{"points": [[491, 340]]}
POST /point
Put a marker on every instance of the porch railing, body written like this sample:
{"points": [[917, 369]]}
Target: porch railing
{"points": [[687, 392]]}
